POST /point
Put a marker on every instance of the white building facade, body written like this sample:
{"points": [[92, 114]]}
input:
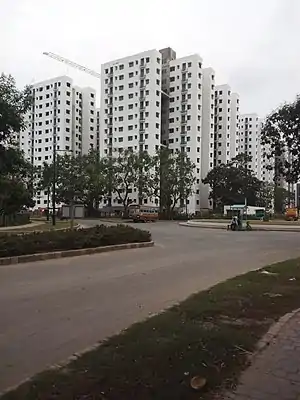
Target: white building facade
{"points": [[63, 116], [249, 141], [207, 134], [130, 113], [185, 112]]}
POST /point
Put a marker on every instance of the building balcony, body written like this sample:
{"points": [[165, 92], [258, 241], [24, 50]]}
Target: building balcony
{"points": [[110, 94], [142, 119], [110, 84], [184, 81], [184, 101], [183, 133], [142, 98], [142, 130], [184, 90], [142, 108], [110, 73], [183, 112], [142, 66], [183, 122]]}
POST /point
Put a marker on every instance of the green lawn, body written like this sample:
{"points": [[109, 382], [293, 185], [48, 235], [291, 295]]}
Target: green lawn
{"points": [[208, 335], [44, 226]]}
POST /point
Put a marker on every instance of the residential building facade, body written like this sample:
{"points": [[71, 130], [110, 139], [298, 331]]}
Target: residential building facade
{"points": [[223, 130], [130, 113], [249, 141], [208, 133], [62, 115], [185, 117]]}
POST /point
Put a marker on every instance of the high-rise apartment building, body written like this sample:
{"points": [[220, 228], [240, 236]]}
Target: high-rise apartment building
{"points": [[222, 124], [130, 113], [98, 129], [234, 124], [62, 115], [249, 141], [207, 134], [185, 112], [226, 124]]}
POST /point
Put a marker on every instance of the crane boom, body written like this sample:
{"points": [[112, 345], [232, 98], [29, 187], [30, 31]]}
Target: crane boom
{"points": [[72, 64]]}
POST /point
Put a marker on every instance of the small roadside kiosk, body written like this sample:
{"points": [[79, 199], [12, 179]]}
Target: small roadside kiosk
{"points": [[242, 211]]}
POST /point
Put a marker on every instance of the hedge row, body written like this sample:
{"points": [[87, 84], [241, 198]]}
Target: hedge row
{"points": [[42, 242]]}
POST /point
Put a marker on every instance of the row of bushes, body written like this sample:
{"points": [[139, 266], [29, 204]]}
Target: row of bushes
{"points": [[40, 242]]}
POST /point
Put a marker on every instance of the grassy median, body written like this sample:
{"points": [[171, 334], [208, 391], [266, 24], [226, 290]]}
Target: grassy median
{"points": [[58, 240], [208, 335]]}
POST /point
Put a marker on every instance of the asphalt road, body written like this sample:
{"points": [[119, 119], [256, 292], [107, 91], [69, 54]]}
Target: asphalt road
{"points": [[52, 309]]}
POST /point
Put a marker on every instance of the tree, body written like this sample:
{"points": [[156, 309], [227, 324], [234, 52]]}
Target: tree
{"points": [[176, 179], [233, 182], [281, 199], [16, 174], [13, 106], [95, 180], [265, 197], [125, 169], [281, 134]]}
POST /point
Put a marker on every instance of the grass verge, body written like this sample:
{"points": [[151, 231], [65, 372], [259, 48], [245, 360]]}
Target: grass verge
{"points": [[45, 226], [209, 334]]}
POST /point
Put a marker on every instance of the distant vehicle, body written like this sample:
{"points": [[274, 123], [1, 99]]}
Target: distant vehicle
{"points": [[143, 213], [291, 214]]}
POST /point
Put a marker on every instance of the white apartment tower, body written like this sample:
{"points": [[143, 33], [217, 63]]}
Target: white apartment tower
{"points": [[130, 103], [63, 116], [185, 113], [207, 135], [249, 141], [226, 124], [130, 114], [234, 124]]}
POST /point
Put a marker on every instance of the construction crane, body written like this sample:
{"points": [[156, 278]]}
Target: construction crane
{"points": [[72, 64]]}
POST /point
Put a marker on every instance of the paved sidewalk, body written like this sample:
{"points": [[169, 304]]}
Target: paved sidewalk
{"points": [[255, 227], [275, 372]]}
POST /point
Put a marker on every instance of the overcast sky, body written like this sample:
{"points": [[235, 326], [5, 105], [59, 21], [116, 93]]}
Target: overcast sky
{"points": [[252, 44]]}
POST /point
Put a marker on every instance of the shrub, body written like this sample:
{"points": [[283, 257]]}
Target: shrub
{"points": [[40, 242]]}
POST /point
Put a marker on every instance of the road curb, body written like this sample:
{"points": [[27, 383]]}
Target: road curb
{"points": [[254, 229], [273, 332], [72, 253]]}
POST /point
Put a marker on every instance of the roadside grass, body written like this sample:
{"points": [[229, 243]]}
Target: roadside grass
{"points": [[210, 335], [46, 226]]}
